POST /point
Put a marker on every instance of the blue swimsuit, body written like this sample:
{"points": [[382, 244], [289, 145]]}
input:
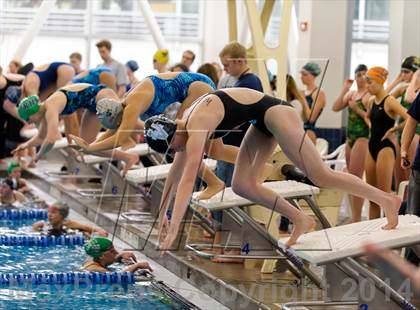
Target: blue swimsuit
{"points": [[93, 76], [49, 75], [168, 91], [308, 125], [82, 99]]}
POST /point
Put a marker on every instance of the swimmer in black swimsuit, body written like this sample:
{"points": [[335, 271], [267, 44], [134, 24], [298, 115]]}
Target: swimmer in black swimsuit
{"points": [[58, 224], [381, 114], [274, 121]]}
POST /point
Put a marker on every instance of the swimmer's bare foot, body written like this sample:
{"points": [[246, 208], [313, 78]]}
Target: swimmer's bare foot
{"points": [[391, 209], [266, 172], [210, 191], [129, 162], [304, 224]]}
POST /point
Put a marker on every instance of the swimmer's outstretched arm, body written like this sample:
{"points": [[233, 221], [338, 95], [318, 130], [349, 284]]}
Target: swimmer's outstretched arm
{"points": [[53, 131], [169, 191], [35, 140], [108, 133], [86, 228], [136, 104], [405, 268], [194, 155]]}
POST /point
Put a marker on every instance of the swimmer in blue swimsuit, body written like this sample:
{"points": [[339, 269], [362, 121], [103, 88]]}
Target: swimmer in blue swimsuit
{"points": [[151, 97], [66, 101], [309, 73], [45, 79], [100, 75]]}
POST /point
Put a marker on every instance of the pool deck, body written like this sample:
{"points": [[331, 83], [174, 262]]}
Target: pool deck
{"points": [[236, 286]]}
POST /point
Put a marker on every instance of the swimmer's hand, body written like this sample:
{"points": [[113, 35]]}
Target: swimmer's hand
{"points": [[389, 134], [136, 266], [144, 265], [80, 142], [348, 83], [102, 233], [37, 226], [163, 229], [20, 147], [166, 245], [405, 161], [126, 255], [74, 151]]}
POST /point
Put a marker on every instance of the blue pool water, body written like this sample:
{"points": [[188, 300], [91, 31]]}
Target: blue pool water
{"points": [[24, 259], [41, 259], [134, 296], [20, 225]]}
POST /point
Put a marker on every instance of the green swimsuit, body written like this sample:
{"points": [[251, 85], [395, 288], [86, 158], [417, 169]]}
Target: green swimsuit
{"points": [[356, 126], [406, 105]]}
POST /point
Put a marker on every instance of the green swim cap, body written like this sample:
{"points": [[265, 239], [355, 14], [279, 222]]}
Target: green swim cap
{"points": [[28, 107], [97, 246], [12, 167]]}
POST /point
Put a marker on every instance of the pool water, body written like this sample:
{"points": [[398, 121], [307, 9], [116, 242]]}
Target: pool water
{"points": [[33, 259], [20, 225], [17, 259], [63, 297]]}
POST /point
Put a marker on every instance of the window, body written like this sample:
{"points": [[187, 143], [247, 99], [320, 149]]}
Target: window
{"points": [[377, 10], [356, 9], [23, 3], [71, 4], [117, 5], [190, 6]]}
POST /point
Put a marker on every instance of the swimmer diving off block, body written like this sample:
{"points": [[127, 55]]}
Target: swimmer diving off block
{"points": [[213, 116]]}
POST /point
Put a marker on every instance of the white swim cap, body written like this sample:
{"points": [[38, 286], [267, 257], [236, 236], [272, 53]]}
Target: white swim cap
{"points": [[109, 112]]}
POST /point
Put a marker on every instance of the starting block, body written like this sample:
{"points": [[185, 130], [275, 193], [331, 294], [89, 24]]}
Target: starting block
{"points": [[336, 248], [243, 232], [113, 183]]}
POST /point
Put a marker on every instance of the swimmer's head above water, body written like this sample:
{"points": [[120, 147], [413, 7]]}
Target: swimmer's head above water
{"points": [[57, 212], [109, 112]]}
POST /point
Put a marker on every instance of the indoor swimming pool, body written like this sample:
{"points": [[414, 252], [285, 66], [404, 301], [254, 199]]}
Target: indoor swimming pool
{"points": [[145, 296], [40, 274]]}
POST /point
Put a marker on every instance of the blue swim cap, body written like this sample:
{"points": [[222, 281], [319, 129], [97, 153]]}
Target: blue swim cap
{"points": [[132, 64], [13, 94]]}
